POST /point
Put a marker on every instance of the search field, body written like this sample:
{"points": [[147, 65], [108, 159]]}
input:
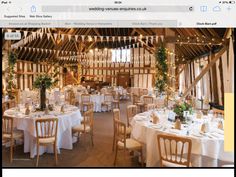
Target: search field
{"points": [[109, 9]]}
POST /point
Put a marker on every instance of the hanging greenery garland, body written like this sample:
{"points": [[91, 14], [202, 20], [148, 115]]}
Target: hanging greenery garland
{"points": [[11, 74], [55, 75], [79, 73], [161, 69]]}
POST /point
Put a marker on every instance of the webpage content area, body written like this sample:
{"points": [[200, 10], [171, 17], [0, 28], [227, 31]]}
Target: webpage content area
{"points": [[118, 84]]}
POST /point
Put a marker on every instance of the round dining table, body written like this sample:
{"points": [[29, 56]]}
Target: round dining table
{"points": [[209, 144], [66, 120]]}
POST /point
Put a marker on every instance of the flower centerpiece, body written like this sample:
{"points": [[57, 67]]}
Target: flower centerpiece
{"points": [[179, 109], [43, 82]]}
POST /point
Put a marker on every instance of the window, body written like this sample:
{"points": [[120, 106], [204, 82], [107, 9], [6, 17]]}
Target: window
{"points": [[121, 55]]}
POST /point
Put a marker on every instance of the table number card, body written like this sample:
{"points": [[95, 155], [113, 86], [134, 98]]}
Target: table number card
{"points": [[185, 113]]}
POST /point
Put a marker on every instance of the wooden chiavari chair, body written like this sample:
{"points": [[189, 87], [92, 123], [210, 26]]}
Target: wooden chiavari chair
{"points": [[131, 110], [46, 134], [72, 100], [116, 100], [9, 134], [86, 102], [12, 103], [128, 94], [150, 107], [4, 107], [116, 115], [68, 95], [87, 126], [137, 102], [147, 100], [124, 143], [160, 103], [140, 92], [145, 91], [171, 150], [107, 101]]}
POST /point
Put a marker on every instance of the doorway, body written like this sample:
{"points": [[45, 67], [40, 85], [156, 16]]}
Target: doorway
{"points": [[123, 79]]}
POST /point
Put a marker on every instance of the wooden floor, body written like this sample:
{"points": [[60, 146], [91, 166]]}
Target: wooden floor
{"points": [[83, 154]]}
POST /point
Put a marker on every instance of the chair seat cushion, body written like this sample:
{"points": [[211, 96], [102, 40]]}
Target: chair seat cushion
{"points": [[128, 130], [171, 164], [16, 135], [106, 103], [139, 104], [131, 144], [87, 103], [47, 140], [80, 128]]}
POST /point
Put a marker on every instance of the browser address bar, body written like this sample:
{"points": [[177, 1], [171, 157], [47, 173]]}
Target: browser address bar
{"points": [[100, 8]]}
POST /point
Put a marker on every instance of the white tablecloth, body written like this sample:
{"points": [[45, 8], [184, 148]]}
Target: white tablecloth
{"points": [[66, 121], [146, 132]]}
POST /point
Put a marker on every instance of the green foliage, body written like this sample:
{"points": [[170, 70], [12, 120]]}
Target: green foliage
{"points": [[12, 57], [47, 80], [179, 108], [161, 69], [43, 81]]}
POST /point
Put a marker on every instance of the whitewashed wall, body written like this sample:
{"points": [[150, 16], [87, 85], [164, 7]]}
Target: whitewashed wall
{"points": [[104, 68]]}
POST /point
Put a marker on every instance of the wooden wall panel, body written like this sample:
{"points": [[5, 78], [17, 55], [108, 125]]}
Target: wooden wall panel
{"points": [[27, 72]]}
